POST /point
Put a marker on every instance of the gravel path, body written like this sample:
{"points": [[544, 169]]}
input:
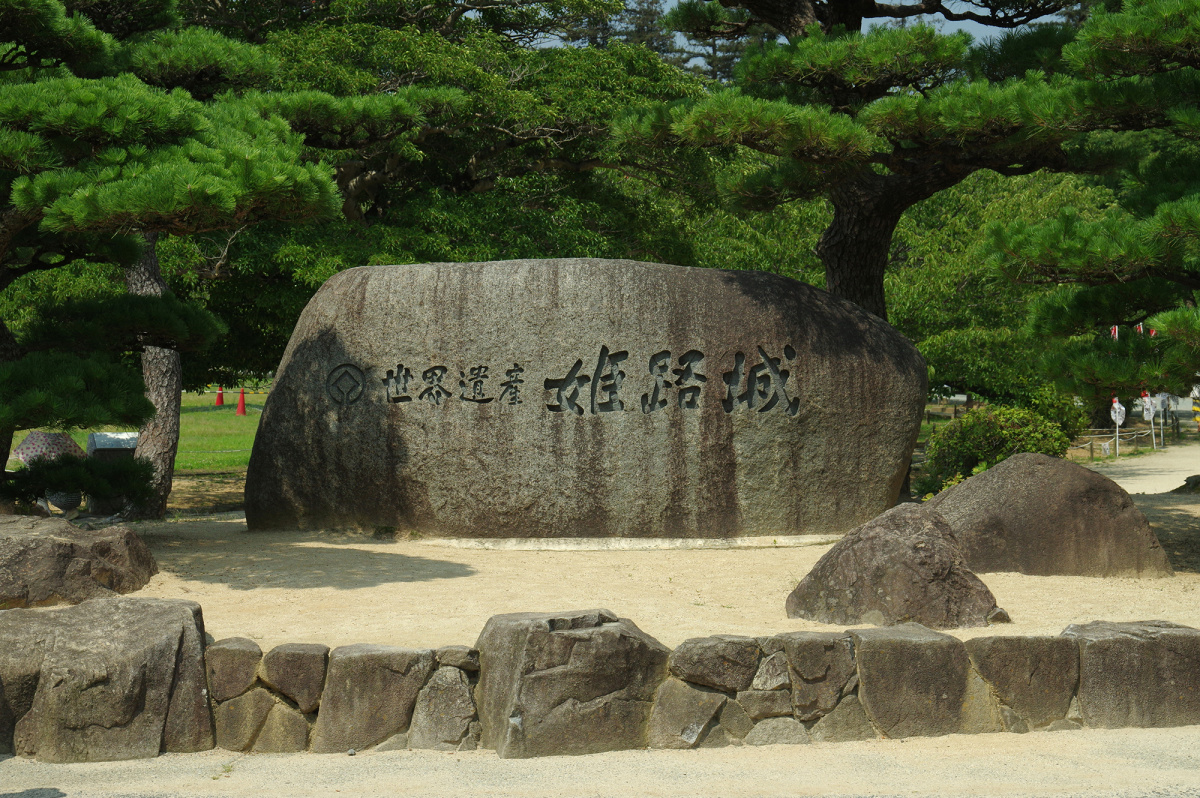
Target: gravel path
{"points": [[1153, 472]]}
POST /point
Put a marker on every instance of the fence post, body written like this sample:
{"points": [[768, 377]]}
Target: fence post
{"points": [[1091, 448]]}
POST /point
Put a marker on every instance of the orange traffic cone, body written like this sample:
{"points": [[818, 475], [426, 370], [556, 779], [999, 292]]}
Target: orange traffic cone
{"points": [[220, 396], [241, 411]]}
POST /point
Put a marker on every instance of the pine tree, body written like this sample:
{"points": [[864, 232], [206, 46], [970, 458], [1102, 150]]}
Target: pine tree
{"points": [[878, 121]]}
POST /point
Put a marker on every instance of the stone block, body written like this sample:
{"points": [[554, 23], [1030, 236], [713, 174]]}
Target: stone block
{"points": [[772, 673], [736, 722], [1142, 674], [284, 732], [981, 713], [821, 666], [1034, 676], [912, 680], [676, 402], [297, 670], [723, 662], [846, 723], [444, 711], [240, 719], [682, 714], [108, 679], [370, 692], [760, 704], [566, 683], [464, 658], [232, 666], [778, 731]]}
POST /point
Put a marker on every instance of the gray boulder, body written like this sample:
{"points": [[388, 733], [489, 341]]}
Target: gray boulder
{"points": [[683, 714], [108, 679], [912, 680], [759, 704], [822, 671], [846, 723], [232, 667], [902, 566], [772, 673], [284, 732], [239, 720], [1033, 676], [1046, 516], [1144, 674], [778, 731], [566, 683], [48, 561], [298, 671], [676, 402], [369, 695], [724, 662], [462, 657], [443, 713]]}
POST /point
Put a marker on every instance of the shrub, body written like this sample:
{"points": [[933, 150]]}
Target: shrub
{"points": [[982, 437]]}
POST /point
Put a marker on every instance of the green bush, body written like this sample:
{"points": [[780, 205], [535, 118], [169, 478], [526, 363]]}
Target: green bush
{"points": [[67, 473], [982, 437]]}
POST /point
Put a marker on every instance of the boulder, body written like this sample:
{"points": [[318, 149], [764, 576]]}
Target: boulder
{"points": [[48, 561], [298, 671], [847, 722], [369, 695], [760, 704], [284, 732], [682, 714], [239, 720], [724, 662], [911, 680], [1143, 674], [676, 402], [1046, 516], [778, 731], [1033, 676], [772, 673], [443, 713], [735, 721], [108, 679], [903, 566], [232, 666], [464, 658], [822, 667], [566, 683]]}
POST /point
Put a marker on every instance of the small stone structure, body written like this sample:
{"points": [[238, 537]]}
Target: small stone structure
{"points": [[125, 678], [48, 561], [583, 398]]}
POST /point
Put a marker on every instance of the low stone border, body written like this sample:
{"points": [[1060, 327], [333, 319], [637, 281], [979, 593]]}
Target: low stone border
{"points": [[583, 682]]}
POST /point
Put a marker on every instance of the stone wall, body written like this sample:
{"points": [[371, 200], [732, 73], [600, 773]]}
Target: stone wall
{"points": [[588, 681]]}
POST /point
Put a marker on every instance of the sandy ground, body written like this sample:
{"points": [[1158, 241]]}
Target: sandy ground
{"points": [[296, 587]]}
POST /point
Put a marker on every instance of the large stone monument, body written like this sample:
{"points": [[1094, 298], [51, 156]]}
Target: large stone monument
{"points": [[584, 398]]}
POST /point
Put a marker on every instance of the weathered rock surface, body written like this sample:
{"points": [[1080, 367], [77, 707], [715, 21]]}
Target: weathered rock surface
{"points": [[821, 667], [735, 721], [846, 723], [903, 566], [369, 695], [675, 402], [462, 657], [725, 662], [566, 683], [48, 561], [772, 673], [232, 667], [760, 704], [1144, 674], [118, 678], [284, 732], [778, 731], [1047, 516], [298, 671], [443, 713], [911, 680], [682, 714], [239, 720], [1033, 676]]}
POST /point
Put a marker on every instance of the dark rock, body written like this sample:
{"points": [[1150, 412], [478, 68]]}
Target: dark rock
{"points": [[284, 732], [232, 666], [1034, 676], [911, 680], [846, 723], [902, 566], [822, 665], [47, 561], [369, 695], [736, 722], [298, 671], [464, 658], [118, 678], [566, 683], [682, 714], [773, 673], [725, 662], [704, 363], [981, 712], [443, 713], [1142, 674], [778, 731], [760, 704], [239, 720], [1042, 515]]}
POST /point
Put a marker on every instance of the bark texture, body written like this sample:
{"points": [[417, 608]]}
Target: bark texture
{"points": [[162, 370]]}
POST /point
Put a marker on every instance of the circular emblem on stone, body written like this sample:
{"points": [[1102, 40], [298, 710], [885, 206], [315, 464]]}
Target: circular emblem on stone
{"points": [[345, 384]]}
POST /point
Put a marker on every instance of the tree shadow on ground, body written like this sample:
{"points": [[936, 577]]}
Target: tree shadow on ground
{"points": [[294, 560], [36, 792], [1175, 518]]}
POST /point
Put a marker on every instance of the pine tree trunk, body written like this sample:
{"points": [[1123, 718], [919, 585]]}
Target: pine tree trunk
{"points": [[162, 370], [9, 351], [854, 248]]}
